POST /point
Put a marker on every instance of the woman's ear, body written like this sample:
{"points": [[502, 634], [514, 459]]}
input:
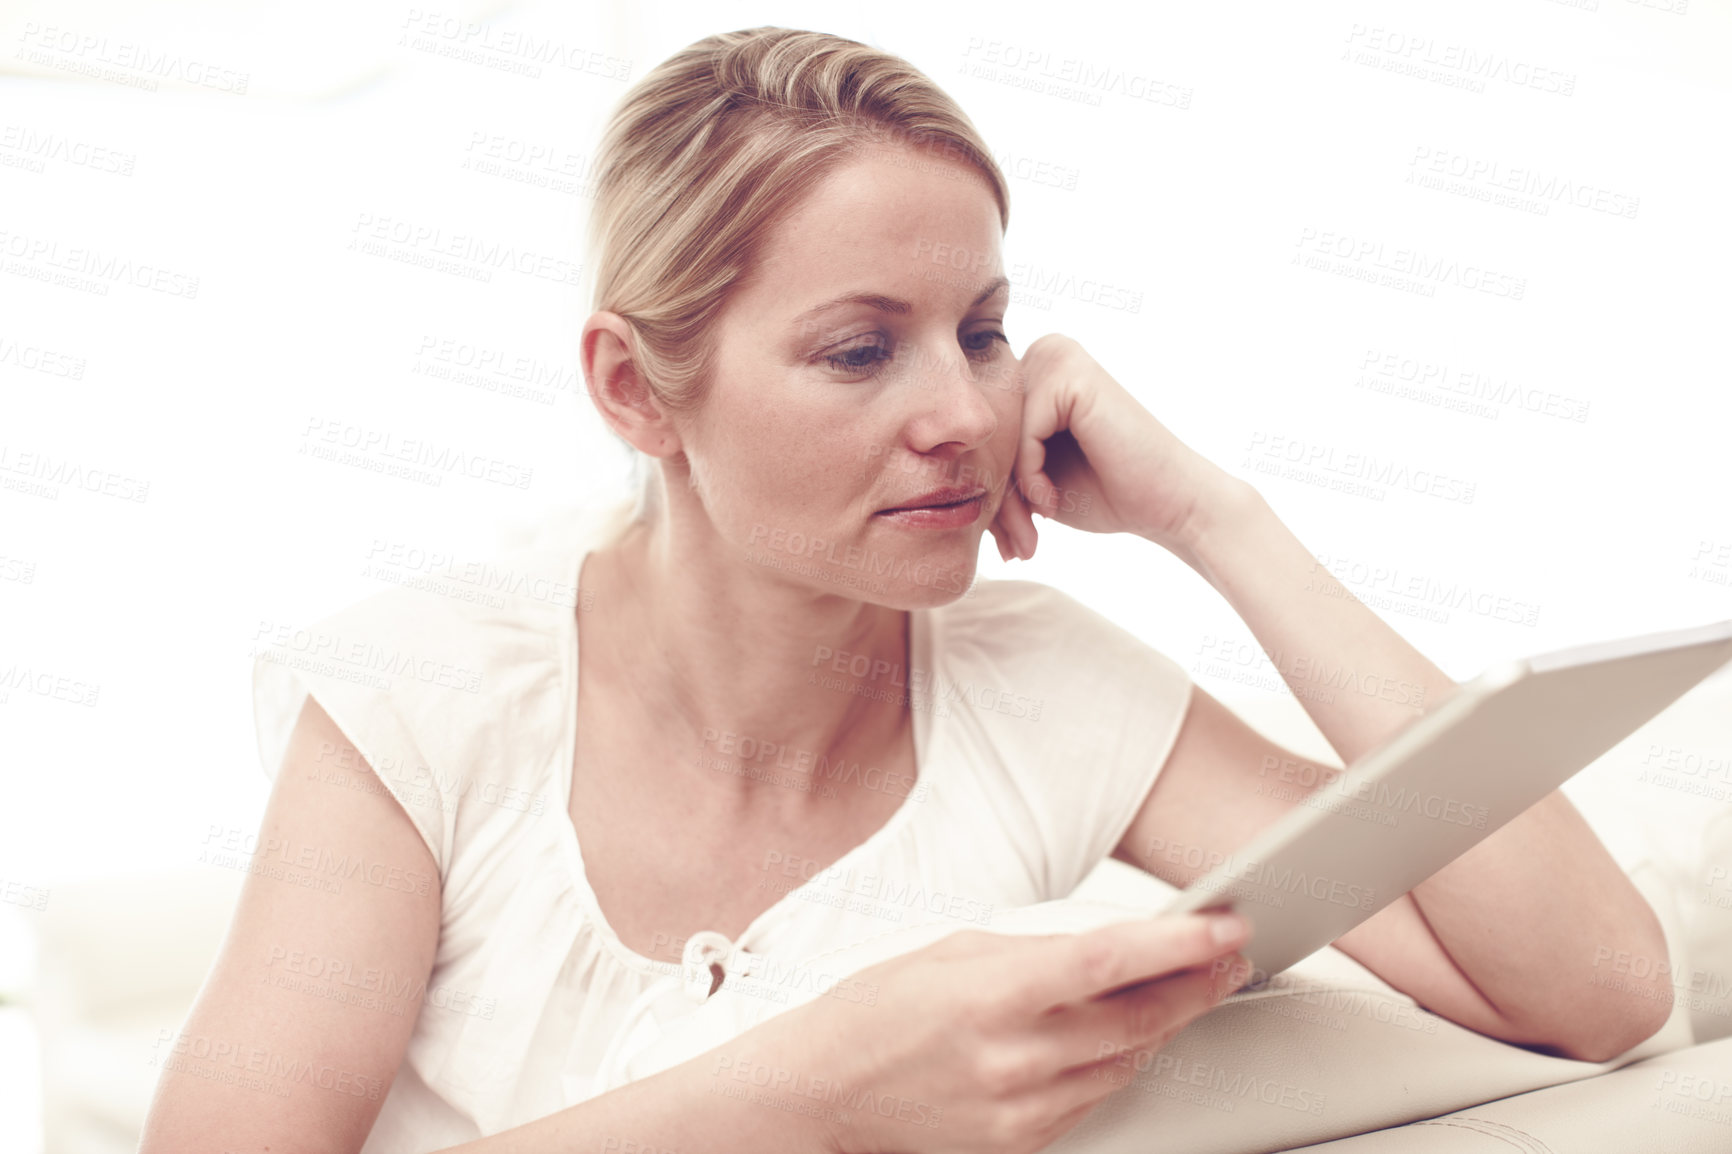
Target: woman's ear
{"points": [[621, 394]]}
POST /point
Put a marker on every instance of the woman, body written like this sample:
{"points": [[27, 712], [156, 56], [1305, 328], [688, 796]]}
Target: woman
{"points": [[774, 687]]}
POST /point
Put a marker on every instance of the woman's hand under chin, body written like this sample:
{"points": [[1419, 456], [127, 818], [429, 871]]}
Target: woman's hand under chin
{"points": [[1093, 458]]}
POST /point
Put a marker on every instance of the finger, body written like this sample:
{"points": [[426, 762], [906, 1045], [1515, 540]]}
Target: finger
{"points": [[1142, 1018], [1001, 533], [1073, 1093], [1073, 967], [1038, 492], [1041, 418], [1080, 1089], [1019, 522]]}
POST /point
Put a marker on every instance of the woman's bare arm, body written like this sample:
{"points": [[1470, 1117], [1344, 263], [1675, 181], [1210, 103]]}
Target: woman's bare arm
{"points": [[299, 1028], [1504, 940]]}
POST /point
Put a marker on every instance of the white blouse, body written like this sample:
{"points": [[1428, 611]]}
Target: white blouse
{"points": [[1039, 727]]}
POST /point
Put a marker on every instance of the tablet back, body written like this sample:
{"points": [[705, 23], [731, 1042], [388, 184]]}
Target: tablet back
{"points": [[1496, 746]]}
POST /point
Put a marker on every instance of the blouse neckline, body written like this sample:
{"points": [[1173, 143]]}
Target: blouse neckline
{"points": [[920, 794]]}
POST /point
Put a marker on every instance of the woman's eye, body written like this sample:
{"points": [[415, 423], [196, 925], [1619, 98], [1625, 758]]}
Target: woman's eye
{"points": [[868, 359], [859, 359], [984, 349]]}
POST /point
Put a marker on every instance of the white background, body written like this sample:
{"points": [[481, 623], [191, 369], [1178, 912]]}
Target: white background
{"points": [[1615, 524]]}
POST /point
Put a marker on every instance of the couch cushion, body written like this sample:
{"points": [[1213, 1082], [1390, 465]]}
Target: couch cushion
{"points": [[1676, 1103]]}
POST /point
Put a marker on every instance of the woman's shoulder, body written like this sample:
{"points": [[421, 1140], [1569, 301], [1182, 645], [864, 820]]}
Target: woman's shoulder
{"points": [[452, 682], [1036, 622], [1054, 658]]}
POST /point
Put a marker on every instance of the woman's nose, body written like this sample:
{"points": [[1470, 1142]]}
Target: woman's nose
{"points": [[952, 399]]}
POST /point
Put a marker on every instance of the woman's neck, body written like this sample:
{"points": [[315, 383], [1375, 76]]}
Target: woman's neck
{"points": [[725, 660]]}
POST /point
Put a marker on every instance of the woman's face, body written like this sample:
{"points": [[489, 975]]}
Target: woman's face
{"points": [[860, 426]]}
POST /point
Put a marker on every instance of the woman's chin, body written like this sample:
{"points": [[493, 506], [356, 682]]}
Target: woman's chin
{"points": [[922, 590]]}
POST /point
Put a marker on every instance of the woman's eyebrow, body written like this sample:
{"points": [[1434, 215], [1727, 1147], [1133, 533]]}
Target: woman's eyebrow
{"points": [[888, 304]]}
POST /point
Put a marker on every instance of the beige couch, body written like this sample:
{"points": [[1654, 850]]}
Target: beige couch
{"points": [[121, 960]]}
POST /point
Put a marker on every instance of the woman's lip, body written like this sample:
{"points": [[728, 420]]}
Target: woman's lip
{"points": [[941, 498], [954, 515]]}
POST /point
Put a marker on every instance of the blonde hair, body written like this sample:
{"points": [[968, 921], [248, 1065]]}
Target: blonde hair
{"points": [[714, 146]]}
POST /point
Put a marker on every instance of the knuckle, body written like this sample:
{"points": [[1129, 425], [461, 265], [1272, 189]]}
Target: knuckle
{"points": [[1017, 1121], [1001, 1072], [1099, 959]]}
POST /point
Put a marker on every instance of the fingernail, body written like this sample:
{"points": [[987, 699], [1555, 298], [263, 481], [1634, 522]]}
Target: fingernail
{"points": [[1224, 928]]}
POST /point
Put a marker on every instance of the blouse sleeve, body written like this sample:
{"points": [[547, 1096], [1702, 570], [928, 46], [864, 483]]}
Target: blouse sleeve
{"points": [[366, 665], [1078, 711]]}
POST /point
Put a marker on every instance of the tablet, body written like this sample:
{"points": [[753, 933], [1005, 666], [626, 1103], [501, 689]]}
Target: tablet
{"points": [[1494, 747]]}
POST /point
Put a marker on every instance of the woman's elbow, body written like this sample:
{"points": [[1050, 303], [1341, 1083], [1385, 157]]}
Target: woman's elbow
{"points": [[1609, 1035], [1628, 998]]}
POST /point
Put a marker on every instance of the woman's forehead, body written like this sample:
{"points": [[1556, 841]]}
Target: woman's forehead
{"points": [[874, 220]]}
